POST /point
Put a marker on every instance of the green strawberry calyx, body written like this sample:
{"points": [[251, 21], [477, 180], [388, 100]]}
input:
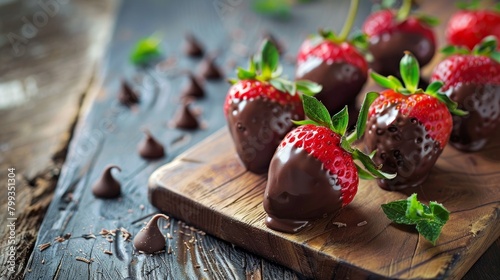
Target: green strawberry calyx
{"points": [[487, 47], [265, 67], [318, 115], [475, 5], [429, 220], [410, 74], [405, 11]]}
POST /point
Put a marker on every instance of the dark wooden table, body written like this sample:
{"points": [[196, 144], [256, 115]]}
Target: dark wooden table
{"points": [[66, 78]]}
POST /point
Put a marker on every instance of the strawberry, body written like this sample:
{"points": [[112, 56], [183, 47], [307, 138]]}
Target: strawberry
{"points": [[391, 33], [313, 173], [408, 127], [336, 64], [260, 106], [472, 79], [471, 25]]}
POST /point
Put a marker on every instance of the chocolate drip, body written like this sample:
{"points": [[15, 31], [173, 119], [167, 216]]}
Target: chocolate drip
{"points": [[192, 88], [185, 119], [127, 96], [150, 239], [192, 46], [298, 191], [341, 83], [209, 70], [256, 136], [150, 148], [472, 132], [403, 147], [107, 186], [388, 49]]}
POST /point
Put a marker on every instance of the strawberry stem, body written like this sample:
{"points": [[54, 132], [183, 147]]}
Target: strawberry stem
{"points": [[353, 9], [404, 11]]}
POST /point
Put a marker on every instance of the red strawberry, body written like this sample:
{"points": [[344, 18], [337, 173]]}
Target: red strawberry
{"points": [[260, 107], [336, 64], [313, 173], [391, 33], [407, 127], [473, 81], [470, 25]]}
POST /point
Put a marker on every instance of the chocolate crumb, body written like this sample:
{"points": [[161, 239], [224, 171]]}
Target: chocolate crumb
{"points": [[205, 269], [44, 246], [108, 252], [67, 236], [360, 224], [169, 236], [187, 246], [82, 259], [169, 250], [59, 239], [339, 224], [43, 261], [197, 266], [88, 236], [141, 206]]}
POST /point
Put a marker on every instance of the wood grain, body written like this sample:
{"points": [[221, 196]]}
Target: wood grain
{"points": [[208, 187]]}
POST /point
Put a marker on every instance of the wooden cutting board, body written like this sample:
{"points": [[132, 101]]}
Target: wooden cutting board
{"points": [[208, 188]]}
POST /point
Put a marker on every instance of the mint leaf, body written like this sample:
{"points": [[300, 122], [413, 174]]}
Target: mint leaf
{"points": [[430, 230], [429, 220], [316, 111], [340, 121], [410, 71], [396, 212], [145, 50]]}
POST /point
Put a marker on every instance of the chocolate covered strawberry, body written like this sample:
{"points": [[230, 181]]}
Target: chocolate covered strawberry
{"points": [[472, 79], [313, 173], [471, 25], [408, 127], [391, 33], [336, 64], [260, 107]]}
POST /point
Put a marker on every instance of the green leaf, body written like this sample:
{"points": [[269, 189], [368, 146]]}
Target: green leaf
{"points": [[362, 174], [495, 56], [232, 81], [383, 81], [245, 74], [370, 165], [439, 212], [307, 87], [487, 46], [410, 71], [360, 41], [340, 121], [430, 230], [145, 50], [429, 20], [304, 122], [468, 5], [316, 111], [450, 104], [269, 56], [396, 212], [276, 8], [363, 113], [397, 83], [278, 84], [429, 220], [434, 87]]}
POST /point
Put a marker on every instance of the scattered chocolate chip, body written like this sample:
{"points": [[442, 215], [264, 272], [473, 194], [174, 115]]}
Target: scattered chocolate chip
{"points": [[107, 186], [150, 148], [192, 88], [150, 239], [185, 119], [209, 70], [127, 96], [193, 47]]}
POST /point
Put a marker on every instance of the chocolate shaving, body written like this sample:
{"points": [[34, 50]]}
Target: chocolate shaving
{"points": [[44, 246]]}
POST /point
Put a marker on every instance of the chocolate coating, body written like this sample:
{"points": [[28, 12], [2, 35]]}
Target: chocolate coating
{"points": [[209, 70], [150, 239], [185, 119], [388, 49], [341, 83], [192, 88], [150, 148], [472, 132], [127, 96], [107, 186], [298, 191], [257, 127], [193, 47], [403, 147]]}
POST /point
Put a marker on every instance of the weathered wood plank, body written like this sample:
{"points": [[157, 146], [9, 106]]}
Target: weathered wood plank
{"points": [[48, 56]]}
